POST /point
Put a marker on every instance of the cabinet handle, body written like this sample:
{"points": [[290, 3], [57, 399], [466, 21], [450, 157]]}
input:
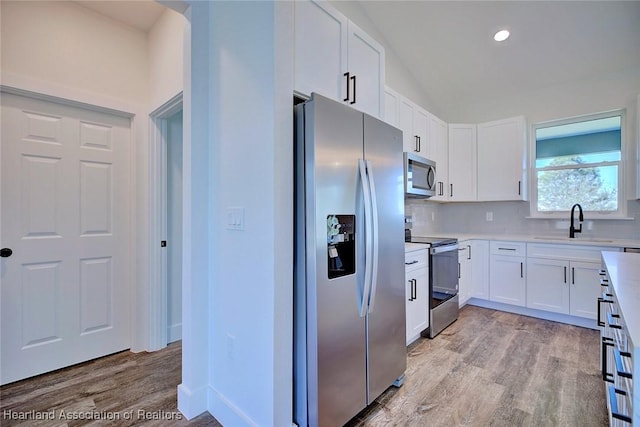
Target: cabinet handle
{"points": [[451, 191], [354, 89], [469, 256], [606, 376], [565, 274], [618, 355], [521, 270], [415, 261], [573, 275], [599, 311], [347, 76], [410, 289], [458, 270], [417, 149], [613, 403], [441, 192], [415, 289], [519, 188], [507, 249], [612, 323]]}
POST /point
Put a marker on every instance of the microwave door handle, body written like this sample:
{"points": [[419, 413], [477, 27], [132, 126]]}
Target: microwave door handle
{"points": [[368, 238], [431, 178], [375, 236]]}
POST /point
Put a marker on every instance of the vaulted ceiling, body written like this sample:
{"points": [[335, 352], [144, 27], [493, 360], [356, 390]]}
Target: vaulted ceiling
{"points": [[449, 46]]}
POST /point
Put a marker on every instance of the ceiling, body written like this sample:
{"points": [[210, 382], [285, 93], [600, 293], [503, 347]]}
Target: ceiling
{"points": [[449, 49], [449, 46]]}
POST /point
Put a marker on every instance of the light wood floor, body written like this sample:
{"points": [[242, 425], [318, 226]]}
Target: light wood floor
{"points": [[487, 369], [491, 368]]}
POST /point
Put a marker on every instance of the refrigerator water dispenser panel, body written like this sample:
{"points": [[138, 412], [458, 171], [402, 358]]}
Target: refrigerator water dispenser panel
{"points": [[341, 245]]}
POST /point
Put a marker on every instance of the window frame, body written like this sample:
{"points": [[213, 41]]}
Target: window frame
{"points": [[621, 212]]}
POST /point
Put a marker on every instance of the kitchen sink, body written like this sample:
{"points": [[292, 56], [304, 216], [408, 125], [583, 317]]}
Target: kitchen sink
{"points": [[568, 239]]}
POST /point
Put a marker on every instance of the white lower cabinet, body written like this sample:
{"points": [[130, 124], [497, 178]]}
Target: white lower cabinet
{"points": [[563, 279], [507, 282], [473, 270], [465, 278], [480, 269], [417, 290]]}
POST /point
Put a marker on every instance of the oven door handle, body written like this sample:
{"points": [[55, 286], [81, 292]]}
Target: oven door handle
{"points": [[441, 249]]}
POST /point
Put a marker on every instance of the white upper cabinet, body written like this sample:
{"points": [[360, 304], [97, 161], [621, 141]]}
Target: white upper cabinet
{"points": [[391, 105], [462, 163], [413, 122], [365, 72], [335, 58], [502, 160], [438, 151], [320, 49]]}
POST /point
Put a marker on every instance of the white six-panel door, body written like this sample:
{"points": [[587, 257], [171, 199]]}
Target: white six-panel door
{"points": [[65, 290]]}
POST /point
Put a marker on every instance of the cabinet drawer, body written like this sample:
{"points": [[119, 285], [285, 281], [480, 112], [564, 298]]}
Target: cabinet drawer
{"points": [[416, 259], [573, 252], [508, 248]]}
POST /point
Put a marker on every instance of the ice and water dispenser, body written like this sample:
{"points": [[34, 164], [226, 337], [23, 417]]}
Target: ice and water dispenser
{"points": [[341, 245]]}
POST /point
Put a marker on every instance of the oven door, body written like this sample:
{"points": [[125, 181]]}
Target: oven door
{"points": [[443, 272]]}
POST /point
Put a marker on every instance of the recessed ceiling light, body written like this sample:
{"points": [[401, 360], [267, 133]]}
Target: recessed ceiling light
{"points": [[501, 35]]}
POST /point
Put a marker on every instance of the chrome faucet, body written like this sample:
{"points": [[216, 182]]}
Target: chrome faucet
{"points": [[572, 228]]}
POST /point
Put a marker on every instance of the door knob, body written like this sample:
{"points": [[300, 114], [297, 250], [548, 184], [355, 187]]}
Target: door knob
{"points": [[5, 252]]}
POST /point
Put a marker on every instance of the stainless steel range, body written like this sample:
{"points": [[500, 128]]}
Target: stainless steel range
{"points": [[443, 281]]}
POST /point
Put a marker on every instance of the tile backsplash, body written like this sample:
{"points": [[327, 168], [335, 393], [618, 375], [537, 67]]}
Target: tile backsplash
{"points": [[510, 218]]}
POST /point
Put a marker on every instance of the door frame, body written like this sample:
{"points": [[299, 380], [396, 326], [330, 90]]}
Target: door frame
{"points": [[158, 304]]}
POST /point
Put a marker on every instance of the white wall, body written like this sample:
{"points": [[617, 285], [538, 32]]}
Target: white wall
{"points": [[67, 45], [166, 57], [251, 289]]}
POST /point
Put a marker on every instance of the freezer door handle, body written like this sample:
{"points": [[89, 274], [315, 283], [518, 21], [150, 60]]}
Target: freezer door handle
{"points": [[374, 235], [368, 237]]}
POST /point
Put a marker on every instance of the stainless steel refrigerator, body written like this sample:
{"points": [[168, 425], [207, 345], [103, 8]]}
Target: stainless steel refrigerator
{"points": [[349, 324]]}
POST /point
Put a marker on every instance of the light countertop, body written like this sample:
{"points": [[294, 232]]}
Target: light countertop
{"points": [[624, 275], [557, 239]]}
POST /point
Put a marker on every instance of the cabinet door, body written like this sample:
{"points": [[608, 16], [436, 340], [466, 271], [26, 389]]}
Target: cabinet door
{"points": [[585, 288], [480, 269], [366, 62], [501, 160], [548, 285], [320, 49], [464, 272], [421, 130], [462, 162], [439, 151], [391, 106], [405, 123], [417, 285], [506, 279]]}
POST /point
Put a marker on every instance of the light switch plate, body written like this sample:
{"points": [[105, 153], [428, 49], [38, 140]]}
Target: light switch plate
{"points": [[235, 218]]}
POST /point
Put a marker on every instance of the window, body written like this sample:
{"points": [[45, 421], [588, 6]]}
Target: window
{"points": [[579, 161]]}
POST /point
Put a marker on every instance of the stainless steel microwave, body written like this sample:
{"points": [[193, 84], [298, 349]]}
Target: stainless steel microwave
{"points": [[419, 176]]}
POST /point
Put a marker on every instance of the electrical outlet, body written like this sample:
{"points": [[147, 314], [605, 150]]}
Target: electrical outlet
{"points": [[489, 216]]}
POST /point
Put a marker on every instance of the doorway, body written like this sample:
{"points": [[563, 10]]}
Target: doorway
{"points": [[165, 222], [173, 225]]}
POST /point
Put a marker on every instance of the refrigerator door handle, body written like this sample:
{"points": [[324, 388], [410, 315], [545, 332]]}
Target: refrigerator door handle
{"points": [[374, 232], [368, 238]]}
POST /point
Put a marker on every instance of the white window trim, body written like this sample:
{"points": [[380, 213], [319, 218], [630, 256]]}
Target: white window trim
{"points": [[621, 213]]}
